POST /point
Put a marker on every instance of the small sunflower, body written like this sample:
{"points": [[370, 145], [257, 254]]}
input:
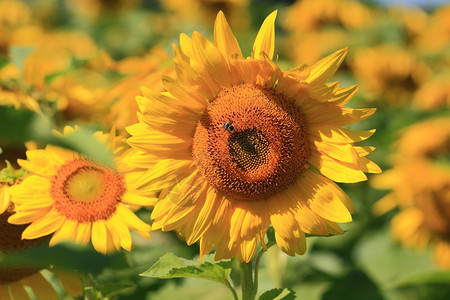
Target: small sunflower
{"points": [[236, 144], [420, 184], [78, 199]]}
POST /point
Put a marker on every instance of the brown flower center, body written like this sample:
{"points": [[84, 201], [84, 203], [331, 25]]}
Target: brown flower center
{"points": [[86, 191], [251, 142]]}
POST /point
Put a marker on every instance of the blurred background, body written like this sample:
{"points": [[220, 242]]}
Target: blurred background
{"points": [[66, 62]]}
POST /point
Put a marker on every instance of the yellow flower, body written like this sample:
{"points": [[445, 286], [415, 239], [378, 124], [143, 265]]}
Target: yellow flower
{"points": [[14, 279], [389, 74], [206, 10], [310, 15], [138, 71], [434, 94], [77, 199], [232, 142], [420, 187]]}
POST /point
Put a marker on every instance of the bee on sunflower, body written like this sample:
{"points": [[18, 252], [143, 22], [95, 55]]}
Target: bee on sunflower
{"points": [[235, 144]]}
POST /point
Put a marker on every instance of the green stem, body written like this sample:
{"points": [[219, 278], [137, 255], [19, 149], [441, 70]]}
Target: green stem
{"points": [[233, 291], [255, 282], [247, 281]]}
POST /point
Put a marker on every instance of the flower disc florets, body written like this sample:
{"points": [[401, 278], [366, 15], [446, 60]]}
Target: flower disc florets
{"points": [[251, 142], [86, 191]]}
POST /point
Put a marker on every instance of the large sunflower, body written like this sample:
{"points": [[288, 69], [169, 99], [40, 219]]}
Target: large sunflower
{"points": [[78, 199], [236, 145]]}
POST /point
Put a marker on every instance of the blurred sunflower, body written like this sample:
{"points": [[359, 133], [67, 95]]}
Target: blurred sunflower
{"points": [[138, 71], [205, 10], [389, 73], [78, 199], [420, 184], [235, 144], [434, 94], [14, 279], [311, 15]]}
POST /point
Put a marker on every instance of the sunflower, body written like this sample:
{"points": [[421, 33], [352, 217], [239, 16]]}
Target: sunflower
{"points": [[389, 73], [420, 185], [14, 279], [236, 144], [79, 199]]}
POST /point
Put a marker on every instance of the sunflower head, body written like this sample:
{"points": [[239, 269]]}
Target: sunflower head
{"points": [[420, 184], [79, 199], [236, 145]]}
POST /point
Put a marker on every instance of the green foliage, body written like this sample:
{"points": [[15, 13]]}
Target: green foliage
{"points": [[278, 294], [432, 277], [171, 266], [9, 174]]}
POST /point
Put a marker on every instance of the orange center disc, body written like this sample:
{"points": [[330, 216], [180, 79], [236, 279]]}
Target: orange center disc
{"points": [[251, 142], [86, 192]]}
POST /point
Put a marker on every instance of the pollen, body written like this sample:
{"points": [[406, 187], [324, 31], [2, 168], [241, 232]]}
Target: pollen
{"points": [[86, 191], [264, 153]]}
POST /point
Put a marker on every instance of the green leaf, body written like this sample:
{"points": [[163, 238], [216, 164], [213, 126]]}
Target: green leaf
{"points": [[278, 294], [433, 277], [9, 174], [171, 266], [19, 54], [355, 285], [3, 61], [270, 236]]}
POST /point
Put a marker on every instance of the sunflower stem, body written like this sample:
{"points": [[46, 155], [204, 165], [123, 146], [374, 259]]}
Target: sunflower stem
{"points": [[255, 281], [233, 291], [247, 283]]}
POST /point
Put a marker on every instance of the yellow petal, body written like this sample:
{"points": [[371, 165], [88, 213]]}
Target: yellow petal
{"points": [[322, 71], [48, 224], [343, 153], [99, 237], [344, 95], [265, 39], [326, 198], [282, 218], [369, 166], [308, 220], [119, 231], [341, 135], [83, 233], [211, 58], [248, 250], [166, 173], [204, 216], [290, 247], [67, 232], [224, 38], [131, 220], [132, 198], [336, 170], [4, 199], [334, 115]]}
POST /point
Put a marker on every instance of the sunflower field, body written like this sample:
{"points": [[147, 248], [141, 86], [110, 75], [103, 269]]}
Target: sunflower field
{"points": [[224, 149]]}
